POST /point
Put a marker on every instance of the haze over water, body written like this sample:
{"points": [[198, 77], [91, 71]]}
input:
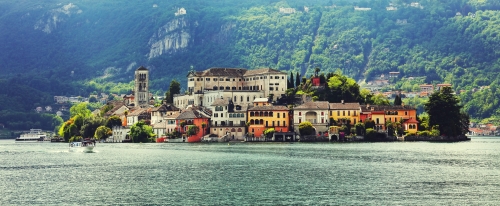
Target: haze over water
{"points": [[399, 173]]}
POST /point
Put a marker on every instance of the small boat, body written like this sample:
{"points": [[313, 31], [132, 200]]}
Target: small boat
{"points": [[34, 135], [87, 145]]}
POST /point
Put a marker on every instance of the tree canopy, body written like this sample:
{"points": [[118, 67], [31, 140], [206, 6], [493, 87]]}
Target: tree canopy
{"points": [[445, 111]]}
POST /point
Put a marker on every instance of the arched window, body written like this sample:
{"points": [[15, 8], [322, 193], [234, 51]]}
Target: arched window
{"points": [[257, 121], [261, 114], [270, 114], [239, 129], [252, 121], [215, 87], [221, 88], [251, 114], [261, 121], [233, 88], [266, 114], [228, 88]]}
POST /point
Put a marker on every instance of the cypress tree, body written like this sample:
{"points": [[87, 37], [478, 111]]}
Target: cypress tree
{"points": [[397, 100], [291, 81], [297, 79]]}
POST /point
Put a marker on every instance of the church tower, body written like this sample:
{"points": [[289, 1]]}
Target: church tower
{"points": [[141, 88]]}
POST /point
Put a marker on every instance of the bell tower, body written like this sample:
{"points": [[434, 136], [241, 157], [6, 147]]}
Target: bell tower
{"points": [[141, 88]]}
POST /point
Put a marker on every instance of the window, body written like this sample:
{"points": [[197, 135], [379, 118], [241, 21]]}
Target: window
{"points": [[282, 77], [355, 113], [406, 113], [343, 113], [284, 115], [278, 115], [300, 113], [338, 113], [216, 115], [284, 124], [277, 77], [300, 121], [271, 77], [221, 114], [322, 120], [348, 113], [322, 113], [215, 79]]}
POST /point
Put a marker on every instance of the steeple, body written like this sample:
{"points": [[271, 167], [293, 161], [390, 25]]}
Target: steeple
{"points": [[141, 87]]}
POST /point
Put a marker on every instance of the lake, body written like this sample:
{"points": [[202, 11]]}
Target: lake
{"points": [[396, 173]]}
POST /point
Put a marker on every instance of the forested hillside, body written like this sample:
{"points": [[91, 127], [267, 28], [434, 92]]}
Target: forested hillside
{"points": [[88, 45]]}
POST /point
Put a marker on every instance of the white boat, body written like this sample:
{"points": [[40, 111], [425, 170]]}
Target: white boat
{"points": [[34, 135], [86, 145]]}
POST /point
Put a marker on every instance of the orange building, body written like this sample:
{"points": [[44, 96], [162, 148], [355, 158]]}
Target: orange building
{"points": [[192, 118], [263, 115], [407, 115]]}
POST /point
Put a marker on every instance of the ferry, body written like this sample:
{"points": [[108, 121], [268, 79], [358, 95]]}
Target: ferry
{"points": [[87, 145], [34, 135]]}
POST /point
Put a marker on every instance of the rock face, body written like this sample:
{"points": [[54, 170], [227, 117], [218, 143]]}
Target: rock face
{"points": [[50, 20], [170, 38]]}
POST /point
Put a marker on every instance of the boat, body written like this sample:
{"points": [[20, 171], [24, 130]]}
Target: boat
{"points": [[87, 145], [34, 135]]}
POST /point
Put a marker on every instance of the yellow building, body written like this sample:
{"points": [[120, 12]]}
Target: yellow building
{"points": [[263, 115], [341, 112]]}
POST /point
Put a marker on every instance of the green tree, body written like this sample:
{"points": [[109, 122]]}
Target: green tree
{"points": [[192, 130], [140, 132], [113, 121], [397, 100], [175, 88], [444, 110], [80, 109], [92, 99], [306, 128], [380, 99], [102, 132]]}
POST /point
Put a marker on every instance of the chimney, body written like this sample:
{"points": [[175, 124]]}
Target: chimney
{"points": [[367, 106], [342, 101]]}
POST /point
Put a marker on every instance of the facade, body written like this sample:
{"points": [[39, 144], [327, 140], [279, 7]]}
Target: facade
{"points": [[341, 112], [141, 87], [263, 115], [314, 112], [228, 119], [120, 134], [381, 114], [137, 115], [192, 117], [160, 112], [240, 84]]}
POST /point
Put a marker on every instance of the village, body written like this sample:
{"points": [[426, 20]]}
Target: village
{"points": [[239, 104]]}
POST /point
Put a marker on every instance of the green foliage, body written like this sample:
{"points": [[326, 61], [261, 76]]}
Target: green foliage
{"points": [[434, 44], [80, 109], [444, 109], [140, 132], [359, 128], [192, 130], [102, 132], [306, 128], [113, 121], [269, 132]]}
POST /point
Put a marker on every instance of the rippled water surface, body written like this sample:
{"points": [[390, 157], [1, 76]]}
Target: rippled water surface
{"points": [[399, 173]]}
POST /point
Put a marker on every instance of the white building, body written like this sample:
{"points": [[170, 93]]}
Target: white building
{"points": [[314, 112]]}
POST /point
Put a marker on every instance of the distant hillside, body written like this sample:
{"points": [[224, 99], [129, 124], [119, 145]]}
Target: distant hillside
{"points": [[83, 44]]}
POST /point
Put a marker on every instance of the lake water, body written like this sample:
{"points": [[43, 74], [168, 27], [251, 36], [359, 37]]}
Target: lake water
{"points": [[398, 173]]}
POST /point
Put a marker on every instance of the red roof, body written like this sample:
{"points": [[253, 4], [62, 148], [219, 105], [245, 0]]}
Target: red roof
{"points": [[411, 121]]}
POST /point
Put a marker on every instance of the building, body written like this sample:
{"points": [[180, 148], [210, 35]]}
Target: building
{"points": [[314, 112], [391, 8], [228, 119], [345, 112], [287, 10], [137, 115], [393, 74], [356, 8], [429, 88], [160, 112], [242, 85], [263, 115], [192, 117], [440, 86], [141, 87], [381, 114]]}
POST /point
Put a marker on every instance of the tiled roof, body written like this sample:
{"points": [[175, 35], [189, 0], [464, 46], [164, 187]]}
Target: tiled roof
{"points": [[173, 116], [142, 68], [411, 120], [220, 102], [335, 106], [232, 72], [263, 71], [365, 108], [138, 111], [191, 114], [268, 108], [314, 105], [165, 107], [159, 125]]}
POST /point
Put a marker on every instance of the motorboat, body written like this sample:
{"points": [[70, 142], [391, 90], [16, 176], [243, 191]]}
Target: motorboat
{"points": [[87, 145]]}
